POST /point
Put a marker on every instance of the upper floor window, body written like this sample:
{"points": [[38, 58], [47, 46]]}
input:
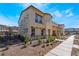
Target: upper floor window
{"points": [[38, 18]]}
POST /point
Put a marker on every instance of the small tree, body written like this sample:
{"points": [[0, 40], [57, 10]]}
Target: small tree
{"points": [[26, 40], [50, 39], [40, 41]]}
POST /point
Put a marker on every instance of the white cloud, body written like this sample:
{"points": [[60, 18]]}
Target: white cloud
{"points": [[68, 10], [57, 13], [69, 14]]}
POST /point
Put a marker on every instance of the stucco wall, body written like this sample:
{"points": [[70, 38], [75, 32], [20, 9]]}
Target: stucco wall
{"points": [[27, 23]]}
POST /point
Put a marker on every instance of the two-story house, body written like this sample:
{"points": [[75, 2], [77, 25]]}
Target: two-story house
{"points": [[34, 22]]}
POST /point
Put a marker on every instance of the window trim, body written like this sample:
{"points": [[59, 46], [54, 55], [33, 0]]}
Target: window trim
{"points": [[36, 21]]}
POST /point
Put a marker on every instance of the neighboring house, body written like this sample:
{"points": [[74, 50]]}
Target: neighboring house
{"points": [[72, 31], [54, 29], [34, 22], [58, 29], [14, 29], [5, 29], [61, 29]]}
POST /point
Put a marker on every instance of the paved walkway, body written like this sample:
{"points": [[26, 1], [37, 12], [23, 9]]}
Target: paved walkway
{"points": [[64, 49]]}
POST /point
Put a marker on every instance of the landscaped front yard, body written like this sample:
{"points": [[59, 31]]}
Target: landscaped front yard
{"points": [[23, 46], [30, 50]]}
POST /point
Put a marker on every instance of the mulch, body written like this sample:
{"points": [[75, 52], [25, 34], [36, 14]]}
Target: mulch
{"points": [[38, 50]]}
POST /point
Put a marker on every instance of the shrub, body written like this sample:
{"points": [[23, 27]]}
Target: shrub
{"points": [[26, 40], [51, 38], [40, 41], [42, 37]]}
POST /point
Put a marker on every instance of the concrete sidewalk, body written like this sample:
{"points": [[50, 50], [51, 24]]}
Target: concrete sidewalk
{"points": [[64, 49]]}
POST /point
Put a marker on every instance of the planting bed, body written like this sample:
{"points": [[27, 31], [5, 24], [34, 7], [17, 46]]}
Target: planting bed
{"points": [[30, 50]]}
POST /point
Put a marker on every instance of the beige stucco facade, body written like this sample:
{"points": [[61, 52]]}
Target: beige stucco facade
{"points": [[27, 20]]}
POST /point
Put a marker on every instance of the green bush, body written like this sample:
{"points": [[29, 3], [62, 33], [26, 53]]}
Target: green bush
{"points": [[26, 40], [40, 41], [42, 37], [51, 38]]}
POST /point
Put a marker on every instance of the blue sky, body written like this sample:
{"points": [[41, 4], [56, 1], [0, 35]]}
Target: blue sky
{"points": [[67, 14]]}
